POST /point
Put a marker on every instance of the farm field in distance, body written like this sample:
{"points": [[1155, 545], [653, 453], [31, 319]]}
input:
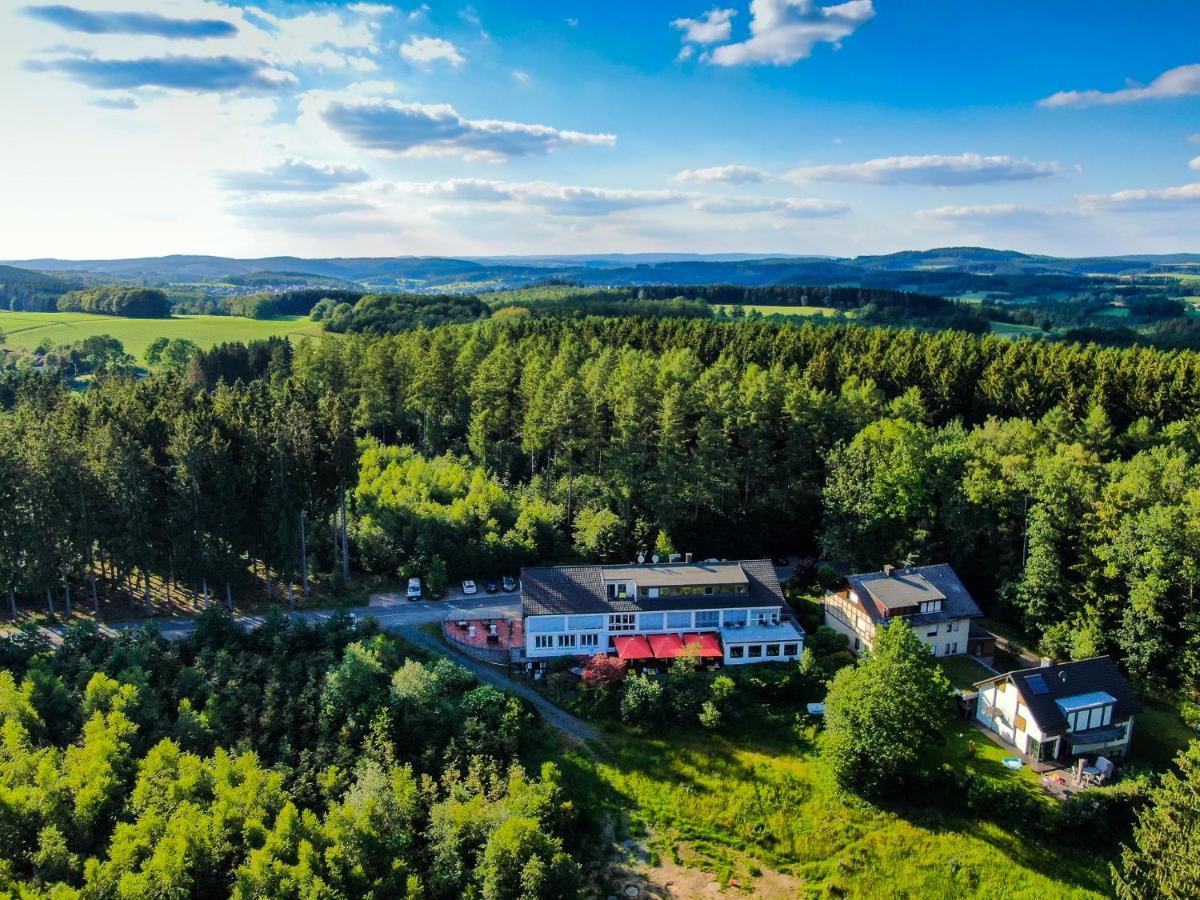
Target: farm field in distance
{"points": [[788, 310], [28, 330]]}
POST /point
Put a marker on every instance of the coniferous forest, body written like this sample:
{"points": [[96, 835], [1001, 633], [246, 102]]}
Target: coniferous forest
{"points": [[1062, 479]]}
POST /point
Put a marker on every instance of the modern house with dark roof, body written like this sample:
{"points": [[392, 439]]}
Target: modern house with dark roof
{"points": [[1057, 711], [929, 599], [731, 611]]}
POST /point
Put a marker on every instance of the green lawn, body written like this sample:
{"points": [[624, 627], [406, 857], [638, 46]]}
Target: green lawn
{"points": [[27, 330], [1159, 733], [963, 671], [757, 807]]}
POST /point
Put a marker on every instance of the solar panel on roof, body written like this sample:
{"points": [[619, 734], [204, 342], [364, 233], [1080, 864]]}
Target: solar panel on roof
{"points": [[1037, 684]]}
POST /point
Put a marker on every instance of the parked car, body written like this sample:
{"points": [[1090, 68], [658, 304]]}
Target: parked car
{"points": [[509, 584], [469, 587], [414, 589], [490, 586]]}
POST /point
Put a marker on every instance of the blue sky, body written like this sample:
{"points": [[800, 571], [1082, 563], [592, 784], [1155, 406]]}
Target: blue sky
{"points": [[140, 127]]}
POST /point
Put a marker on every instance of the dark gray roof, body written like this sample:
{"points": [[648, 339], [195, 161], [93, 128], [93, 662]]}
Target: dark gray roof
{"points": [[579, 590], [1070, 679], [959, 604]]}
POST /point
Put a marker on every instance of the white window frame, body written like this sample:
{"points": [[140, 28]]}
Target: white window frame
{"points": [[543, 641], [567, 641], [622, 621], [589, 640]]}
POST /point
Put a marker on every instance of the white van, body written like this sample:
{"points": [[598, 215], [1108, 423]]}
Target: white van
{"points": [[414, 589]]}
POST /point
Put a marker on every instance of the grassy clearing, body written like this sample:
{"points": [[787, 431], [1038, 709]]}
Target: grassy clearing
{"points": [[1013, 330], [27, 330], [804, 311], [758, 804], [1159, 733], [963, 671]]}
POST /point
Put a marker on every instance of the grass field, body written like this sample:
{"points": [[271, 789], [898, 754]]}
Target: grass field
{"points": [[27, 330], [1011, 330], [963, 671], [789, 310], [758, 810]]}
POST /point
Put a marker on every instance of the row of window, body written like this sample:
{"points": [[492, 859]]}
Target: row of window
{"points": [[951, 627], [1085, 719], [565, 641], [756, 651]]}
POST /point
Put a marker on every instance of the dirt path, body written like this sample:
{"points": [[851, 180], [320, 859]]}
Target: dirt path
{"points": [[576, 730]]}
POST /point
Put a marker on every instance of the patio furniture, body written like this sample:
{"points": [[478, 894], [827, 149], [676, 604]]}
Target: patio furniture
{"points": [[1012, 762]]}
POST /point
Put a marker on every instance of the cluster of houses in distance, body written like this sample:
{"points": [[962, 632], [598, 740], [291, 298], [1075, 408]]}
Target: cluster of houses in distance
{"points": [[734, 613]]}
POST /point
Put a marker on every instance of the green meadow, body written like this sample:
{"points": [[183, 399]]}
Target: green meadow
{"points": [[758, 813], [788, 310], [27, 330]]}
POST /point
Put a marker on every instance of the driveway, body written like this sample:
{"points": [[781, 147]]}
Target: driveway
{"points": [[576, 730]]}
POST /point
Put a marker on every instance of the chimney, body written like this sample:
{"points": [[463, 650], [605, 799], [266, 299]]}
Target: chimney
{"points": [[888, 570], [1046, 662], [687, 557]]}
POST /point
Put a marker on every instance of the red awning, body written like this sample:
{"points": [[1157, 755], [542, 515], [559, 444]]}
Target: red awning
{"points": [[708, 644], [632, 646], [665, 646]]}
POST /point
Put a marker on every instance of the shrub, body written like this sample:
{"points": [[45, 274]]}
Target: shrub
{"points": [[603, 671], [641, 701]]}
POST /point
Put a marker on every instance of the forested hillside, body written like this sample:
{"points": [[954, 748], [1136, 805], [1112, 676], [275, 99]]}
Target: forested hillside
{"points": [[1062, 480], [21, 289], [291, 761]]}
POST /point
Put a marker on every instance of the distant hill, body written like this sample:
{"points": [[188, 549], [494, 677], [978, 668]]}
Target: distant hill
{"points": [[25, 290], [947, 268]]}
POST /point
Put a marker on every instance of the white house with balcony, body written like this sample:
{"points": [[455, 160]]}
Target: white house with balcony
{"points": [[1057, 711], [733, 612], [931, 600]]}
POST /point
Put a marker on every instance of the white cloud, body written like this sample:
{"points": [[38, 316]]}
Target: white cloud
{"points": [[712, 29], [424, 51], [785, 31], [942, 171], [556, 199], [418, 129], [731, 174], [1183, 81], [1195, 163], [296, 208], [794, 207], [997, 213], [1185, 196], [522, 76]]}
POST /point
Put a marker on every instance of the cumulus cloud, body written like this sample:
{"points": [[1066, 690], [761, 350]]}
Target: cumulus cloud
{"points": [[713, 28], [555, 199], [1183, 81], [1185, 196], [424, 51], [186, 73], [942, 171], [424, 129], [1195, 163], [293, 175], [794, 207], [784, 31], [731, 174], [72, 19]]}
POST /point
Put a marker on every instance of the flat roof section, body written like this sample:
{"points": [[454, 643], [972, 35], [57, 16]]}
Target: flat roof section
{"points": [[899, 591], [678, 575]]}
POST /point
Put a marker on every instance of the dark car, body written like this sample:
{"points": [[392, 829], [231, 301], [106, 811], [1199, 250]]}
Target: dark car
{"points": [[491, 587], [509, 584]]}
